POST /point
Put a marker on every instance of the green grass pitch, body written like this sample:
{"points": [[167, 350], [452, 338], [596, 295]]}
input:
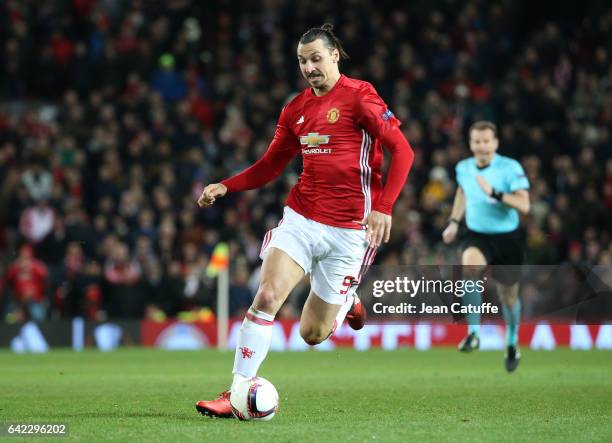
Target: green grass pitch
{"points": [[149, 395]]}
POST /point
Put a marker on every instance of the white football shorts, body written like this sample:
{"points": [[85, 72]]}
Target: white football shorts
{"points": [[335, 258]]}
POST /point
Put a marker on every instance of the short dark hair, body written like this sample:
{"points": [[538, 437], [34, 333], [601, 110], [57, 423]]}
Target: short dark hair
{"points": [[481, 125], [325, 33]]}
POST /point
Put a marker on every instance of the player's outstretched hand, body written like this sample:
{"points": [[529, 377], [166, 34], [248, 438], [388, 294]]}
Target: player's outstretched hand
{"points": [[378, 228], [211, 193], [450, 233]]}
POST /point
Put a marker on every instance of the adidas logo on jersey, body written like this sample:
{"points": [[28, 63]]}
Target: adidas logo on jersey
{"points": [[300, 120]]}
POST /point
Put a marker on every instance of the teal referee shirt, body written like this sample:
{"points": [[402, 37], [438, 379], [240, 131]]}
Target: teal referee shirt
{"points": [[484, 214]]}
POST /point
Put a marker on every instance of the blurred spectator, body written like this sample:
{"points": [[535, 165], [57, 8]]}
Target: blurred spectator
{"points": [[37, 221], [241, 296], [38, 182], [81, 295], [124, 295], [168, 82], [26, 279], [197, 290]]}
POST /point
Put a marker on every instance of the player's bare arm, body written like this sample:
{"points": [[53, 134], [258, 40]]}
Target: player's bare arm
{"points": [[518, 199], [211, 193], [450, 233]]}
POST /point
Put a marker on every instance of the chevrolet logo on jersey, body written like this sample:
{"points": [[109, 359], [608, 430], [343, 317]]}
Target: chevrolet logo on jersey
{"points": [[313, 139]]}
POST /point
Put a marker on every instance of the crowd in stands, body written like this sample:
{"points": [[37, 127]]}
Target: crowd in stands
{"points": [[115, 114]]}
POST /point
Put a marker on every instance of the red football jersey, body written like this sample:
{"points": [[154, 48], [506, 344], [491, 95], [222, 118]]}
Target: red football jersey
{"points": [[28, 279], [340, 136]]}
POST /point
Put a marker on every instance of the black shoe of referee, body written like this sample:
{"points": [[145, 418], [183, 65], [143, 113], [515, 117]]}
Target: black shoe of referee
{"points": [[470, 343], [513, 358]]}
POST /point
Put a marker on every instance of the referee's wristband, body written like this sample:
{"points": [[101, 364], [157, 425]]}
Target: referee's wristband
{"points": [[497, 195]]}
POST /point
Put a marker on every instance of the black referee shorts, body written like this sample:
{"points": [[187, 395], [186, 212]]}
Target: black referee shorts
{"points": [[505, 251]]}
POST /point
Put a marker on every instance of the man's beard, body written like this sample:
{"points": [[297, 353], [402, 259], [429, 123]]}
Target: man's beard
{"points": [[317, 82]]}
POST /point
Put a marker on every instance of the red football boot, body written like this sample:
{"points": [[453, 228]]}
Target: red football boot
{"points": [[356, 316], [221, 407]]}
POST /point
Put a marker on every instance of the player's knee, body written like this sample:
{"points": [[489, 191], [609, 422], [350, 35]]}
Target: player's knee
{"points": [[313, 339], [474, 262], [313, 335], [267, 299]]}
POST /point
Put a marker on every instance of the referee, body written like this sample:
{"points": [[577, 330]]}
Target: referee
{"points": [[492, 190]]}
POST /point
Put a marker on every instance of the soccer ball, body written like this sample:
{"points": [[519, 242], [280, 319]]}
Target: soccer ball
{"points": [[254, 399]]}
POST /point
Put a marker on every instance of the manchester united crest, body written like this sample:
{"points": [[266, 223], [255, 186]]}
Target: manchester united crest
{"points": [[333, 115]]}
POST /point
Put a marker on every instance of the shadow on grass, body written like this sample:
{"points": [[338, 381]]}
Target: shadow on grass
{"points": [[121, 414]]}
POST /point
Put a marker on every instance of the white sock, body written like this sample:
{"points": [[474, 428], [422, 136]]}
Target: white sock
{"points": [[238, 378], [342, 312], [253, 344]]}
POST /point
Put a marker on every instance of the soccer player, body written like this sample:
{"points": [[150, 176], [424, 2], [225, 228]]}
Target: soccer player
{"points": [[492, 190], [336, 216]]}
